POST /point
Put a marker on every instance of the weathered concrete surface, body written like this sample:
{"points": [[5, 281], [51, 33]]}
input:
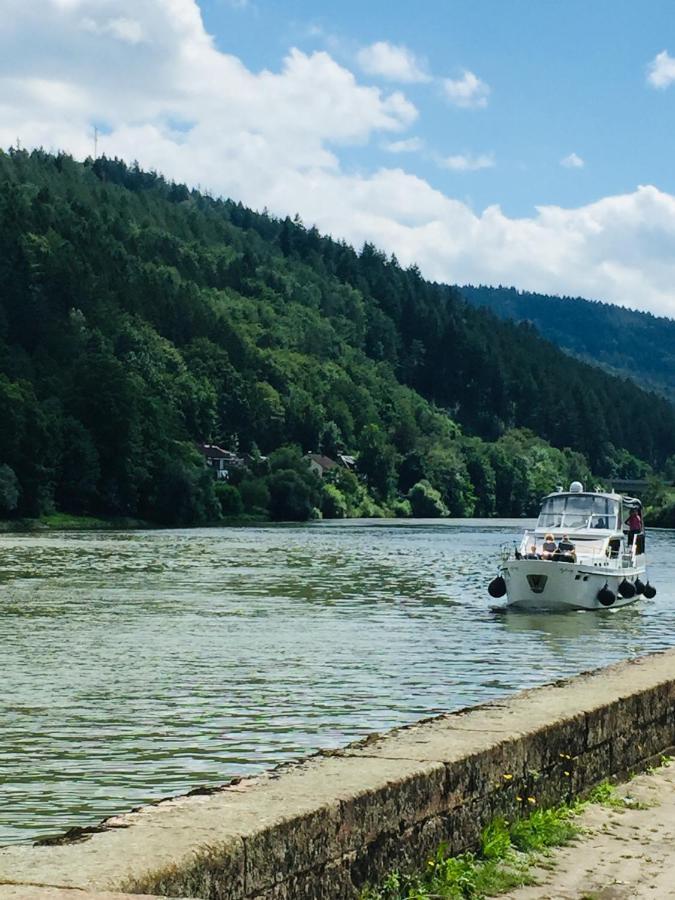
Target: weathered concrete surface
{"points": [[322, 827], [623, 854], [26, 892]]}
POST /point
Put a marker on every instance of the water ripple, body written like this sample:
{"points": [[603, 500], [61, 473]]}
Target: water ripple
{"points": [[139, 665]]}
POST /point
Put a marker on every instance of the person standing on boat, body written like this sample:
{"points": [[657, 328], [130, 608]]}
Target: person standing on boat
{"points": [[634, 522]]}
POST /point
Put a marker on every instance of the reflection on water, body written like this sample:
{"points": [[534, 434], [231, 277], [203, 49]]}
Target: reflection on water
{"points": [[137, 665]]}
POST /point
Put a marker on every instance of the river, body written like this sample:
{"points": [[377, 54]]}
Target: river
{"points": [[137, 665]]}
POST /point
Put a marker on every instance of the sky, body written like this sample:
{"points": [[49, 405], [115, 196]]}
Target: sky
{"points": [[488, 141]]}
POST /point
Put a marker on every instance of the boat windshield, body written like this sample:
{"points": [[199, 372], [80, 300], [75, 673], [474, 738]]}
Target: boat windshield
{"points": [[574, 512]]}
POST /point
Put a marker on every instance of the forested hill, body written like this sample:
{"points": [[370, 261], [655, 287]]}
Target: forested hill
{"points": [[137, 317], [633, 343]]}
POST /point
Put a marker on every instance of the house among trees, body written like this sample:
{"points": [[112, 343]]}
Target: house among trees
{"points": [[320, 464], [220, 461]]}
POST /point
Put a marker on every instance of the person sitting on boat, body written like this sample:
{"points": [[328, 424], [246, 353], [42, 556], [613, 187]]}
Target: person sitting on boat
{"points": [[549, 547], [566, 551], [533, 553]]}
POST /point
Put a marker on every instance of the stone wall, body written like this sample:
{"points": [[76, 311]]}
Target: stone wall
{"points": [[321, 828]]}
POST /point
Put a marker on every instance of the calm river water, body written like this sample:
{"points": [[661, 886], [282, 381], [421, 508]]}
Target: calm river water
{"points": [[138, 665]]}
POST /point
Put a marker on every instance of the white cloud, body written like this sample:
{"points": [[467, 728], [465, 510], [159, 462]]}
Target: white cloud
{"points": [[572, 161], [661, 70], [129, 30], [393, 62], [466, 162], [274, 138], [468, 91], [406, 145]]}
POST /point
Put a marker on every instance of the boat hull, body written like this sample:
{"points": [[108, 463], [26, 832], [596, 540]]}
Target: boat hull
{"points": [[549, 585]]}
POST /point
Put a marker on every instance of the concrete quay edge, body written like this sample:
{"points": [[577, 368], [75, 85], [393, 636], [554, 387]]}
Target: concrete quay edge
{"points": [[320, 828], [36, 892]]}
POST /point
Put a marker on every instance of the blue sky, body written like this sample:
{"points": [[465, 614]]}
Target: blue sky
{"points": [[523, 142], [564, 78]]}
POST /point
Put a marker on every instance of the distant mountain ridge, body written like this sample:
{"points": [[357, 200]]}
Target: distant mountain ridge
{"points": [[624, 341]]}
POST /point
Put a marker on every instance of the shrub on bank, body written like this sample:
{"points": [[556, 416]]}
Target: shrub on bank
{"points": [[230, 500], [426, 502]]}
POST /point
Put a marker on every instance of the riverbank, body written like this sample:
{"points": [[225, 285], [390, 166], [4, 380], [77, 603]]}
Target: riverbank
{"points": [[324, 827], [68, 522]]}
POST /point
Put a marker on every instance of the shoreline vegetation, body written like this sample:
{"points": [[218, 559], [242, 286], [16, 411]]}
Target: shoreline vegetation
{"points": [[69, 522], [339, 495], [512, 854], [60, 522], [141, 320]]}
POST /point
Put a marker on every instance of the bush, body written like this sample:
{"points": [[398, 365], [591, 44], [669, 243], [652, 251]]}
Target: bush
{"points": [[185, 495], [333, 503], [368, 509], [426, 502], [230, 500], [661, 517], [9, 490], [254, 495], [401, 509], [290, 497]]}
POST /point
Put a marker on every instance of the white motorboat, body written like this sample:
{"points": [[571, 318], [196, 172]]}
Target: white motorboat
{"points": [[583, 554]]}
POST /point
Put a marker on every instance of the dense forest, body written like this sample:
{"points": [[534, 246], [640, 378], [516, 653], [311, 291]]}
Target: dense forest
{"points": [[138, 317], [624, 341]]}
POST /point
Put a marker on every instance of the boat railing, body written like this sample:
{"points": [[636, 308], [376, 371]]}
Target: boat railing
{"points": [[586, 552]]}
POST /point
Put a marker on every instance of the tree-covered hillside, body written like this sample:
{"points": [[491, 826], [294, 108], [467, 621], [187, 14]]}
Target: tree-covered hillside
{"points": [[626, 341], [137, 317]]}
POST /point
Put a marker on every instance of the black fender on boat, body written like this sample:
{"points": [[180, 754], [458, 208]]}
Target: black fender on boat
{"points": [[626, 589], [650, 591], [639, 586], [605, 596], [497, 587]]}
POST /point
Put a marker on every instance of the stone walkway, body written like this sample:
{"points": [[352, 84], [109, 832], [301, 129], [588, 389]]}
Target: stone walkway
{"points": [[626, 853]]}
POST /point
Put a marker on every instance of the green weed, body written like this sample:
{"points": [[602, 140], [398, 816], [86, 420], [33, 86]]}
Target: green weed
{"points": [[502, 864], [543, 829], [606, 795], [496, 840]]}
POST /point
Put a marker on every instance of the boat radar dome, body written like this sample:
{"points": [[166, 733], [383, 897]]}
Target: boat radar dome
{"points": [[576, 487]]}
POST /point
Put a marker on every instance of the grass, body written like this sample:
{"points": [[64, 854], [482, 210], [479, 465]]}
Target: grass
{"points": [[543, 829], [605, 794], [506, 856], [503, 862]]}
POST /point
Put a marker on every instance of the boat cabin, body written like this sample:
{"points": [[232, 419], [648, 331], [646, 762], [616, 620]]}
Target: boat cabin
{"points": [[578, 511], [595, 522]]}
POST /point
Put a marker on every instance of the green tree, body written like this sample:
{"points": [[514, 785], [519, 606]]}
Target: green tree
{"points": [[426, 501], [229, 499], [255, 495], [333, 503], [377, 461], [10, 490], [290, 496]]}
